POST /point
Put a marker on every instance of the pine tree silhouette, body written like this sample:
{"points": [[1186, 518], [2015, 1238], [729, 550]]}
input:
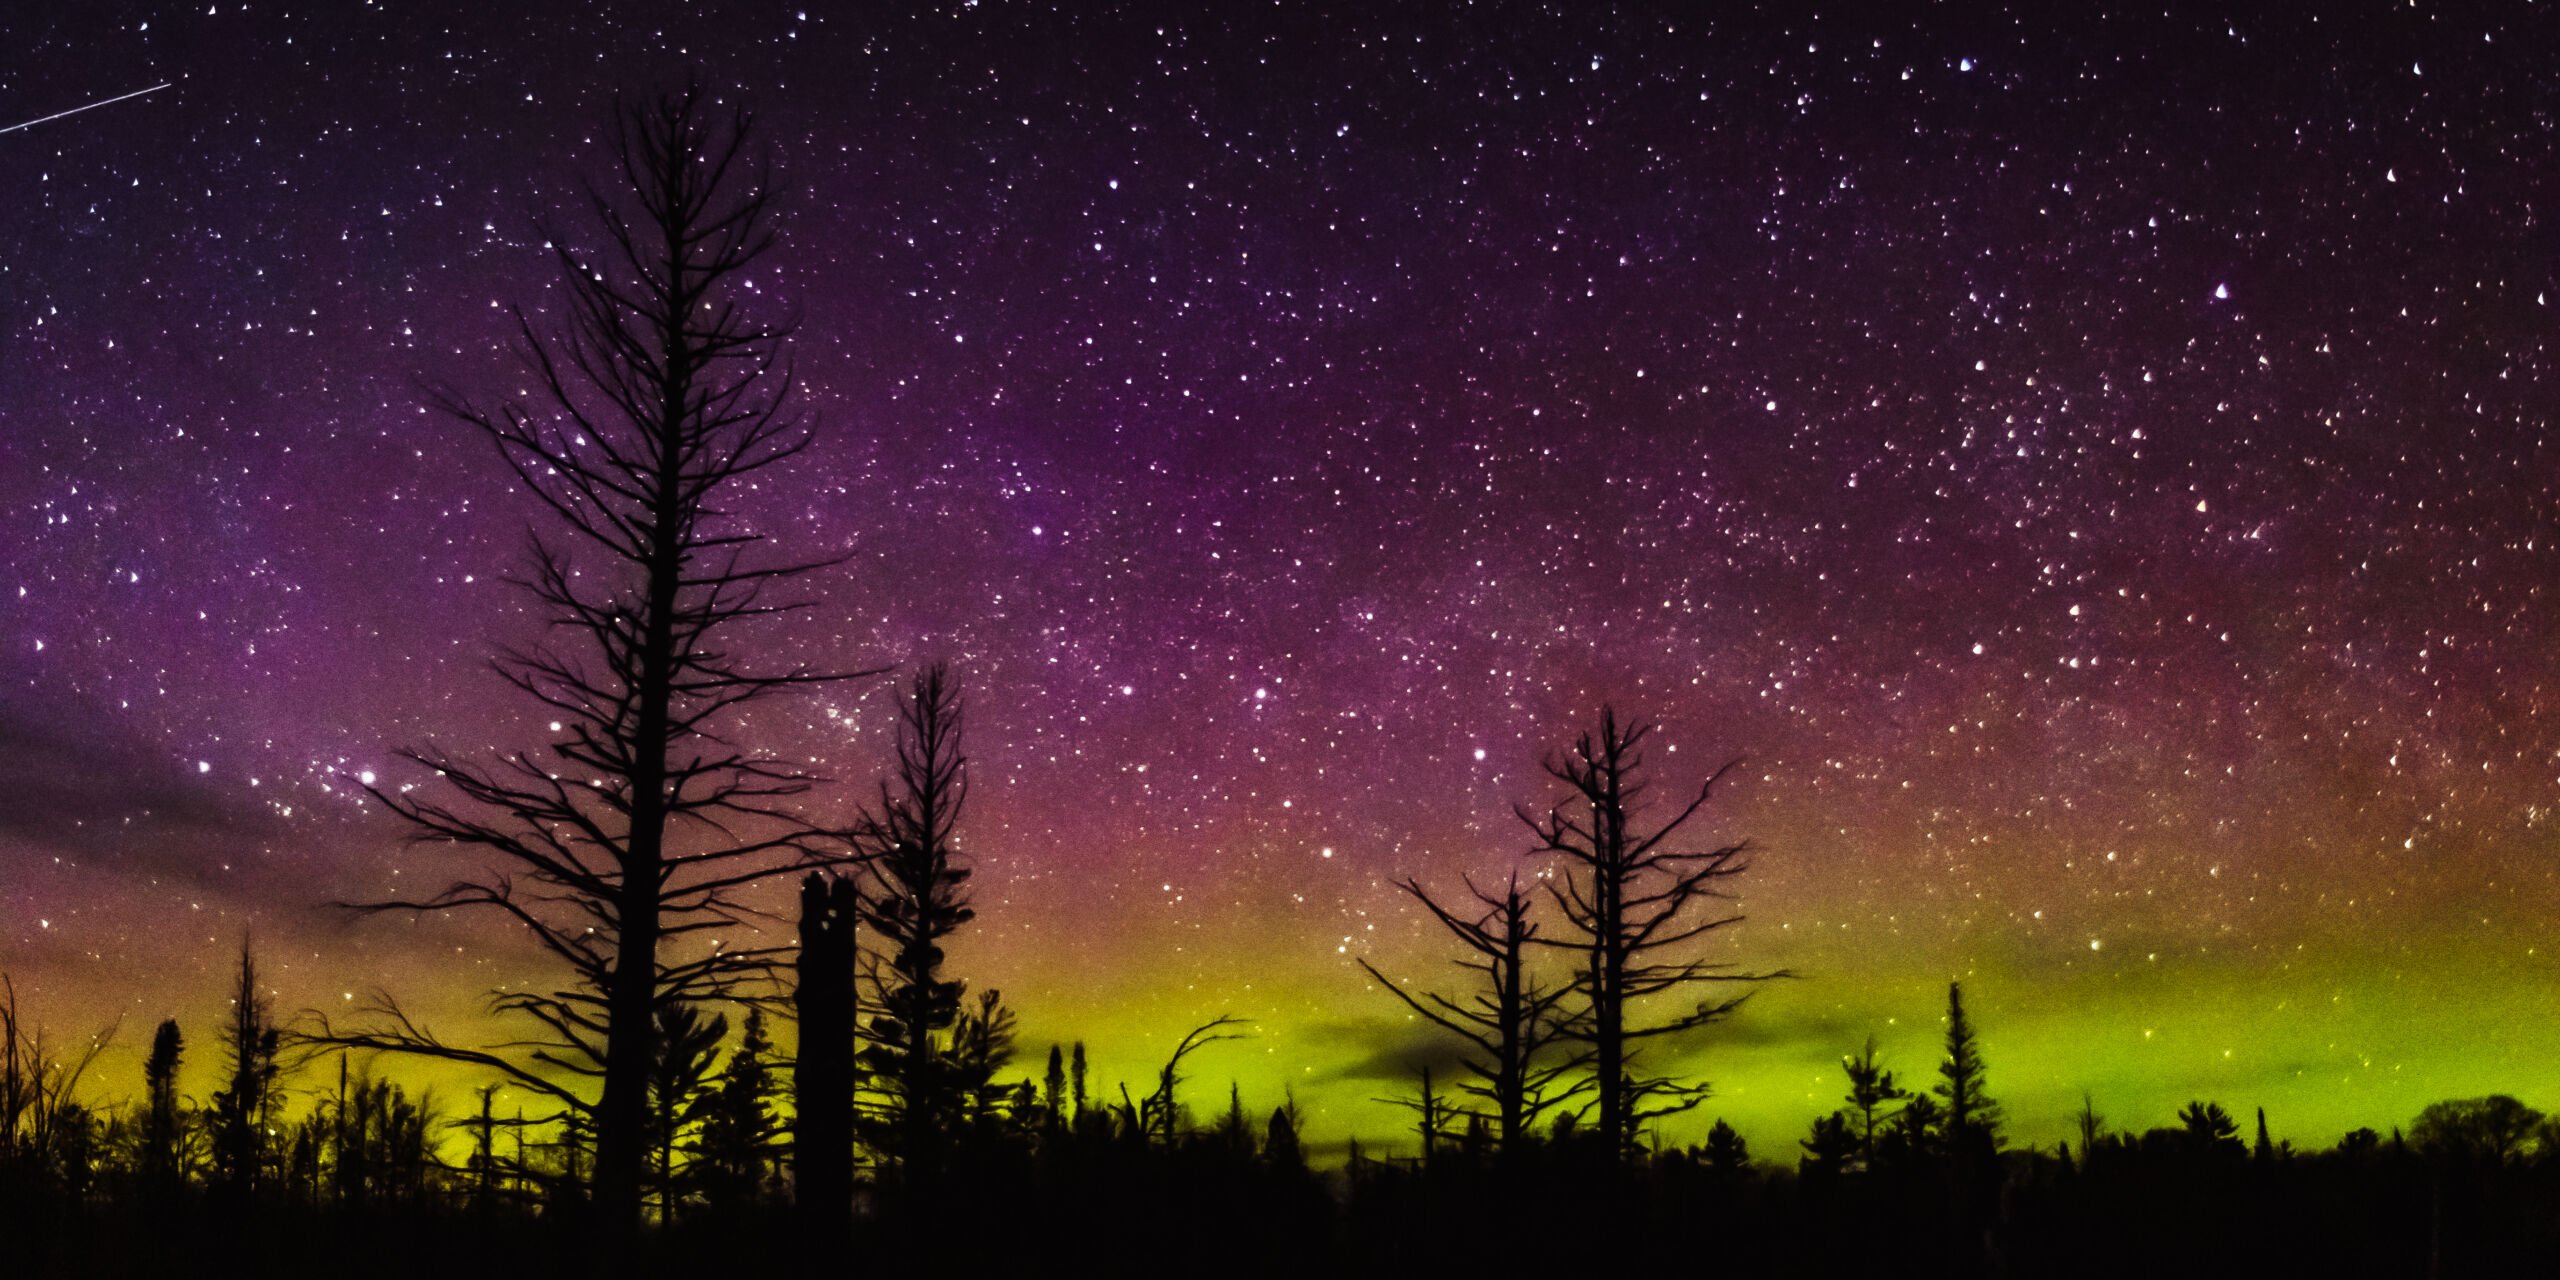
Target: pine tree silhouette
{"points": [[160, 1127], [1727, 1153], [1828, 1150], [1280, 1147], [243, 1109], [688, 1044], [738, 1124], [1871, 1089], [914, 897], [1972, 1118], [1053, 1091]]}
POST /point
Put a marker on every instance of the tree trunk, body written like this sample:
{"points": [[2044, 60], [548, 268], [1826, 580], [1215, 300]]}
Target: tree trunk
{"points": [[1609, 961], [822, 1086], [632, 1007]]}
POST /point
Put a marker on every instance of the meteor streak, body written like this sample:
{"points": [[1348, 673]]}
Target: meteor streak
{"points": [[103, 102]]}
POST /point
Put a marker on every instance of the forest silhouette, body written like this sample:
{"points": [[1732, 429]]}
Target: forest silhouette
{"points": [[846, 1100]]}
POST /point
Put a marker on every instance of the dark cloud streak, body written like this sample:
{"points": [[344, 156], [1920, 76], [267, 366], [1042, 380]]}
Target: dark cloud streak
{"points": [[73, 783]]}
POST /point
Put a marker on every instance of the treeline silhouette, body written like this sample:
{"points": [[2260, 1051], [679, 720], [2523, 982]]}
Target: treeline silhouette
{"points": [[303, 1160], [681, 1103]]}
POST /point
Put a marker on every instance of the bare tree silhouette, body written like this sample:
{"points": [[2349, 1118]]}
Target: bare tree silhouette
{"points": [[1160, 1115], [1433, 1115], [482, 1165], [632, 829], [1638, 901], [42, 1125], [1509, 1019], [21, 1073]]}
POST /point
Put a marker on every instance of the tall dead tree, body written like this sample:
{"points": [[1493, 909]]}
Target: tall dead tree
{"points": [[621, 841], [1510, 1020], [1639, 902]]}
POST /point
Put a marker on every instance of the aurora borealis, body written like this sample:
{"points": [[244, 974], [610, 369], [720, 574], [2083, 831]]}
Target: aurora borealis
{"points": [[2096, 469]]}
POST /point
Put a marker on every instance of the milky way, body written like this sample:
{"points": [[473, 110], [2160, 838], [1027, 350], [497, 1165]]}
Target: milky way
{"points": [[2096, 471]]}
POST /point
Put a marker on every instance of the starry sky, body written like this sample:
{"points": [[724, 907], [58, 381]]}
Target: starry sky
{"points": [[2095, 469]]}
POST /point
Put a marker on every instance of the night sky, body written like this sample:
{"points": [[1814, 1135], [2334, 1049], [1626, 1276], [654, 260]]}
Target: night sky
{"points": [[2099, 475]]}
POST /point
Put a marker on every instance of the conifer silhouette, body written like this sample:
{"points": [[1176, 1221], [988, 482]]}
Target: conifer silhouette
{"points": [[1872, 1088], [243, 1110], [914, 896], [1972, 1118], [738, 1124], [162, 1119], [2209, 1129], [1727, 1153]]}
